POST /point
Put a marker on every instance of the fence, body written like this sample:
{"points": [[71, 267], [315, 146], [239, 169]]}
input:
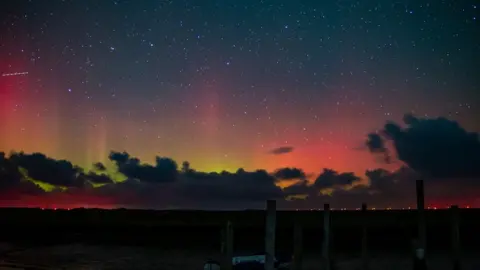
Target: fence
{"points": [[270, 228]]}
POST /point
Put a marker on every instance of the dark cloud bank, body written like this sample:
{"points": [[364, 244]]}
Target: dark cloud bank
{"points": [[437, 150]]}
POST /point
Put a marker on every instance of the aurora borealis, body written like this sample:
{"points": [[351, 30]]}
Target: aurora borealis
{"points": [[229, 84]]}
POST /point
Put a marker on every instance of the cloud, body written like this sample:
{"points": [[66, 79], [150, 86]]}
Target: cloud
{"points": [[281, 150], [97, 178], [225, 187], [392, 184], [26, 173], [302, 187], [381, 180], [99, 166], [328, 179], [376, 144], [10, 176], [47, 170], [145, 186], [289, 173], [332, 179], [160, 185], [436, 148], [164, 170], [384, 189]]}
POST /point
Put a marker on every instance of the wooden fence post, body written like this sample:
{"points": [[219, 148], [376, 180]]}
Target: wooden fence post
{"points": [[326, 236], [455, 237], [270, 229], [421, 214], [297, 245], [364, 238], [228, 245], [420, 245]]}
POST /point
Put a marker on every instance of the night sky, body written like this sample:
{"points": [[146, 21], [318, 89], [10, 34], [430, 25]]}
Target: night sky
{"points": [[237, 84]]}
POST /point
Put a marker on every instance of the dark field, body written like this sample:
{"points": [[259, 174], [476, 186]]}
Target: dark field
{"points": [[193, 229], [389, 232]]}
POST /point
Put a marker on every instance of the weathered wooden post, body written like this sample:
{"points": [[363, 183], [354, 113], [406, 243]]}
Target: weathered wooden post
{"points": [[364, 238], [455, 237], [326, 236], [270, 229], [228, 245], [421, 214], [420, 244], [297, 245]]}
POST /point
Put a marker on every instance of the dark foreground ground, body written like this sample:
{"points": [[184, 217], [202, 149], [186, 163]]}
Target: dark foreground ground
{"points": [[125, 239], [79, 256]]}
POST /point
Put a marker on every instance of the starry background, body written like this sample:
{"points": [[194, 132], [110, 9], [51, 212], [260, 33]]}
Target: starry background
{"points": [[223, 83]]}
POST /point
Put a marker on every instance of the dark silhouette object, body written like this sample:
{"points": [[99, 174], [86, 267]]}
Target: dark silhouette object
{"points": [[422, 231], [249, 266], [419, 262], [227, 245], [282, 261], [326, 237], [297, 246], [211, 265], [455, 238], [270, 229], [365, 260]]}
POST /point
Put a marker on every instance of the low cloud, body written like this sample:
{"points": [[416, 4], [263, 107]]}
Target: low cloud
{"points": [[281, 150], [289, 173], [437, 150]]}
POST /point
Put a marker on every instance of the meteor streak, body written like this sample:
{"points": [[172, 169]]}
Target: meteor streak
{"points": [[14, 74]]}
